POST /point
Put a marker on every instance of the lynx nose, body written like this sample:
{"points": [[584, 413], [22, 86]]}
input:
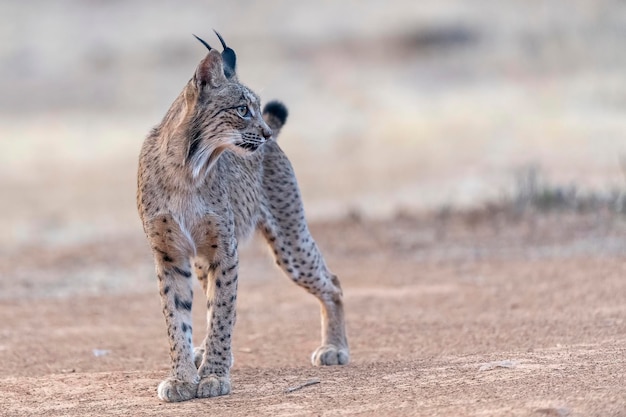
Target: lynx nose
{"points": [[267, 132]]}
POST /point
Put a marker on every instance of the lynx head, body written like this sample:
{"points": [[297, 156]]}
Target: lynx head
{"points": [[222, 113]]}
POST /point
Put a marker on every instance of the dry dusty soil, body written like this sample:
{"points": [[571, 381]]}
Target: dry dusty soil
{"points": [[478, 314]]}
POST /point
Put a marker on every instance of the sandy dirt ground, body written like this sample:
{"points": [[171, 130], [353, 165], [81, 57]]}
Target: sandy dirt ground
{"points": [[479, 314]]}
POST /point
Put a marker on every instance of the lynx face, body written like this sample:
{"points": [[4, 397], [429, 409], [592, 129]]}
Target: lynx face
{"points": [[225, 115], [237, 122]]}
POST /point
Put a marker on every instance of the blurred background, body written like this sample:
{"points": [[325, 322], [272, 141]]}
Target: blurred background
{"points": [[394, 105]]}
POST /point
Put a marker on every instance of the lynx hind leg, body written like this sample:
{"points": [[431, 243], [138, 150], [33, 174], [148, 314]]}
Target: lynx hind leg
{"points": [[334, 349], [284, 227], [301, 260]]}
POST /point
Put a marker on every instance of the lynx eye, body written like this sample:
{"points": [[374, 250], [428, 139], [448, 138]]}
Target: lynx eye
{"points": [[243, 111]]}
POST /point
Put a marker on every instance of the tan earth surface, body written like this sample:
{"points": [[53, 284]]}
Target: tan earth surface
{"points": [[397, 106], [480, 314]]}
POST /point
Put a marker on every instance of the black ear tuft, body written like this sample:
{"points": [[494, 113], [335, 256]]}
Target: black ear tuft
{"points": [[276, 109], [228, 56], [203, 42]]}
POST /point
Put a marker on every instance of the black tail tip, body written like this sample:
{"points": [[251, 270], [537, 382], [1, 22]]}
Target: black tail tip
{"points": [[276, 109]]}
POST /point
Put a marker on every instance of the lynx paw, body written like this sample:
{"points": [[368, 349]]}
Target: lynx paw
{"points": [[213, 386], [327, 355], [175, 390]]}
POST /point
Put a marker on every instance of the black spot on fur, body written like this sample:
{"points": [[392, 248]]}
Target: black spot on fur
{"points": [[182, 272], [182, 304]]}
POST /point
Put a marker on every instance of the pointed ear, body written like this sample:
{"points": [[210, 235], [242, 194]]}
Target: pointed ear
{"points": [[229, 57], [210, 71]]}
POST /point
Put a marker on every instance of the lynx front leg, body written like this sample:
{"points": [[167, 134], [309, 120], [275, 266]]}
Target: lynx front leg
{"points": [[214, 370], [175, 287]]}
